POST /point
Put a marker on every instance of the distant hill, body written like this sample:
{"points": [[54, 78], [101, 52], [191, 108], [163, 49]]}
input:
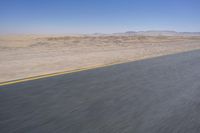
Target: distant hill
{"points": [[158, 33]]}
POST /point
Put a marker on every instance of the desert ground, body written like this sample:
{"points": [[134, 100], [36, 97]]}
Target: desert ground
{"points": [[31, 55]]}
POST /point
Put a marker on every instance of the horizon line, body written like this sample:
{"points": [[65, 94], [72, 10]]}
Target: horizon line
{"points": [[93, 33]]}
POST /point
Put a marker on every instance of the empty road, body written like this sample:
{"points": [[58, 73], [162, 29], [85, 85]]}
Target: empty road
{"points": [[158, 95]]}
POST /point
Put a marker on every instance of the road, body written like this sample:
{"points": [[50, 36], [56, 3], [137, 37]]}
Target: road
{"points": [[158, 95]]}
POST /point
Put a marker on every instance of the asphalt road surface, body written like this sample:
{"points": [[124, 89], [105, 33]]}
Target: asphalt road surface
{"points": [[159, 95]]}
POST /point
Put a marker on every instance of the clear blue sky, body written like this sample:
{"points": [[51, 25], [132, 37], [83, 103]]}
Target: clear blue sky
{"points": [[104, 16]]}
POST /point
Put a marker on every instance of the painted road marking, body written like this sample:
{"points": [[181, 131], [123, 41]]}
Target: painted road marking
{"points": [[56, 74]]}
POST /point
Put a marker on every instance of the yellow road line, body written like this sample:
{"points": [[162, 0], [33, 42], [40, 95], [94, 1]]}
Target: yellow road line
{"points": [[55, 74]]}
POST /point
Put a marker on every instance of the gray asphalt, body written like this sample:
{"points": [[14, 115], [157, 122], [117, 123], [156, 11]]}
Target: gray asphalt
{"points": [[159, 95]]}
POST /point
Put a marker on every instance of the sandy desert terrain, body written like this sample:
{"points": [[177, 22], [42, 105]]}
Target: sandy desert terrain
{"points": [[25, 56]]}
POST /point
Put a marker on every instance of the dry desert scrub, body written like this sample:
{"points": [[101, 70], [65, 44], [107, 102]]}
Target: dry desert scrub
{"points": [[25, 56]]}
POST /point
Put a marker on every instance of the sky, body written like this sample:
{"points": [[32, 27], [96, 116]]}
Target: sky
{"points": [[97, 16]]}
